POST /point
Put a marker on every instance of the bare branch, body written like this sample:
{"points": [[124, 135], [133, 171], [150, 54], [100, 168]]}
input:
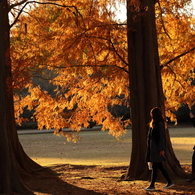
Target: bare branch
{"points": [[41, 3], [17, 4]]}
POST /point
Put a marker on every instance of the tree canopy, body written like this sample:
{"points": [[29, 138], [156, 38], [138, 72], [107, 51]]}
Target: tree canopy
{"points": [[176, 49], [86, 54], [85, 51]]}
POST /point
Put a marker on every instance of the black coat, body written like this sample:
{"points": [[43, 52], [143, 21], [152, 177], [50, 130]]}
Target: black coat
{"points": [[156, 142]]}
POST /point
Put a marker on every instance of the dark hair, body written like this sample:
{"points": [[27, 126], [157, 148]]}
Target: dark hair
{"points": [[156, 117]]}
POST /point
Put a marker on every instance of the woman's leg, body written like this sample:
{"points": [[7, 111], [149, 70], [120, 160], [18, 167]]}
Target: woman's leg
{"points": [[154, 174], [164, 172]]}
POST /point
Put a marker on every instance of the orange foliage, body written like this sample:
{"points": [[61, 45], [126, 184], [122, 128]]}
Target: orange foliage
{"points": [[86, 53], [176, 37]]}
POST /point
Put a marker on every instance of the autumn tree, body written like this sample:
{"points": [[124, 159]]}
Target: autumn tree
{"points": [[84, 92], [176, 49], [14, 162], [87, 52], [9, 178], [146, 89]]}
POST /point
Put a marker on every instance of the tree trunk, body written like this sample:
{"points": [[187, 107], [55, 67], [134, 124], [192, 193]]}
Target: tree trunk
{"points": [[145, 88], [12, 156], [25, 164]]}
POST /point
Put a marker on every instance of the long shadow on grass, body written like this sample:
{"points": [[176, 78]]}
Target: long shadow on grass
{"points": [[47, 181]]}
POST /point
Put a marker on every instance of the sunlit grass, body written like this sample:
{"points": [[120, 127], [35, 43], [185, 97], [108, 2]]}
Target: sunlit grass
{"points": [[52, 161], [98, 148], [182, 140]]}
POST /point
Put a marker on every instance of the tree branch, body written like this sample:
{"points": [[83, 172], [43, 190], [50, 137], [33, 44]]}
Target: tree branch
{"points": [[162, 22], [120, 57], [173, 59], [17, 4], [177, 57], [86, 65], [41, 3]]}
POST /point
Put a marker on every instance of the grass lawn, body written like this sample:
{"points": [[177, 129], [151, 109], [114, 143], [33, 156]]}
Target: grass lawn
{"points": [[93, 165], [98, 148]]}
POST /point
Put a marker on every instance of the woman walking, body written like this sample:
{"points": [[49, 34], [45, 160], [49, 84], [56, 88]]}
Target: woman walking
{"points": [[156, 148]]}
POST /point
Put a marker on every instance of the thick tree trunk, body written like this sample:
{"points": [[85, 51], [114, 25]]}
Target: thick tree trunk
{"points": [[25, 164], [145, 87], [9, 177], [12, 156]]}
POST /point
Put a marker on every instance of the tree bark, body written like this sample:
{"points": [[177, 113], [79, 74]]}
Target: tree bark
{"points": [[145, 88], [12, 156], [25, 164], [9, 177]]}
